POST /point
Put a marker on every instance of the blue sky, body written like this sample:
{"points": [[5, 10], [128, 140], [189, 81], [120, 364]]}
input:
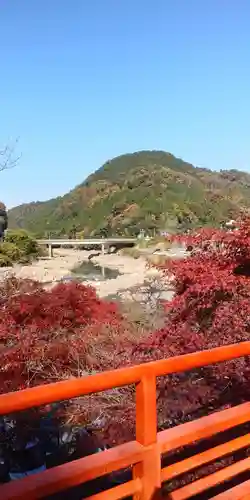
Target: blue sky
{"points": [[85, 80]]}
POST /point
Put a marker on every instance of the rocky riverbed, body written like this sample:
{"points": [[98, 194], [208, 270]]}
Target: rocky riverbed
{"points": [[133, 280]]}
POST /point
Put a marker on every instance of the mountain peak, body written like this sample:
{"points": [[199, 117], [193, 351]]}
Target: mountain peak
{"points": [[157, 185]]}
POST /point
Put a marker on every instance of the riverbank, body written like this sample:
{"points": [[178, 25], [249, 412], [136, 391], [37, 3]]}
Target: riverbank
{"points": [[133, 272], [47, 270]]}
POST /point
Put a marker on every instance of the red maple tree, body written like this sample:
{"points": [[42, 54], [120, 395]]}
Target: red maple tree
{"points": [[211, 307], [65, 332], [69, 331], [45, 334]]}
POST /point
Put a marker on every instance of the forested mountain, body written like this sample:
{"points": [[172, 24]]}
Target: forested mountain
{"points": [[149, 190]]}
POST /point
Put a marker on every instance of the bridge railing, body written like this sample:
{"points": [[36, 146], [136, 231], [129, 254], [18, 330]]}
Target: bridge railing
{"points": [[45, 241], [143, 454]]}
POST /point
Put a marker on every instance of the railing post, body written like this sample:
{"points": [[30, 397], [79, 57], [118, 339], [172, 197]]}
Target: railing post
{"points": [[149, 470]]}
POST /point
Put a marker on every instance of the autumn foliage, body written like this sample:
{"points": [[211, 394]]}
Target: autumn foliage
{"points": [[49, 335], [45, 334], [211, 307]]}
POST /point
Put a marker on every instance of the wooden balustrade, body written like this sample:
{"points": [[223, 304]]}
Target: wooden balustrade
{"points": [[143, 454]]}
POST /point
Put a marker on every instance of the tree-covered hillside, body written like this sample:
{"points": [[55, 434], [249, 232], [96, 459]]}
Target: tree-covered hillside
{"points": [[150, 190]]}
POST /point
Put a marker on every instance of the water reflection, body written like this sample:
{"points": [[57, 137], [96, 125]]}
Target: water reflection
{"points": [[88, 271]]}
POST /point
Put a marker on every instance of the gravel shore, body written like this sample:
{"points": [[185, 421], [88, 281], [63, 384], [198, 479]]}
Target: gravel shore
{"points": [[134, 272]]}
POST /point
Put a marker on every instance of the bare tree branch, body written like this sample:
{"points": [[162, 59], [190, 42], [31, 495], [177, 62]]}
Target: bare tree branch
{"points": [[7, 158]]}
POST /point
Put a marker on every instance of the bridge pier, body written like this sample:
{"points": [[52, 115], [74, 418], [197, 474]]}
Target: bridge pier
{"points": [[105, 246], [50, 251]]}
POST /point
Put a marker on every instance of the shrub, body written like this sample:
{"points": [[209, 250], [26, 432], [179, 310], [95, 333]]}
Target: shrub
{"points": [[24, 242], [10, 250], [160, 242], [42, 332], [12, 286], [130, 252], [157, 259], [5, 261]]}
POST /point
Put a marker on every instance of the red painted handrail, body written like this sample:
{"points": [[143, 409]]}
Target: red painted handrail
{"points": [[144, 454]]}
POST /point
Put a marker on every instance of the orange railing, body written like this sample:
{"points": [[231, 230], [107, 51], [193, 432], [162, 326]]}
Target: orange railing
{"points": [[143, 454]]}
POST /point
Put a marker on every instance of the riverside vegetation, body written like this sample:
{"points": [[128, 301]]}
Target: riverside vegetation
{"points": [[68, 331], [151, 190], [18, 247]]}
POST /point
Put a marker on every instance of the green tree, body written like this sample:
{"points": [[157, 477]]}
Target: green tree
{"points": [[24, 242]]}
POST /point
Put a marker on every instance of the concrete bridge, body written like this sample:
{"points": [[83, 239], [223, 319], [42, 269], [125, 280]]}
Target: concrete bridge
{"points": [[103, 243]]}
